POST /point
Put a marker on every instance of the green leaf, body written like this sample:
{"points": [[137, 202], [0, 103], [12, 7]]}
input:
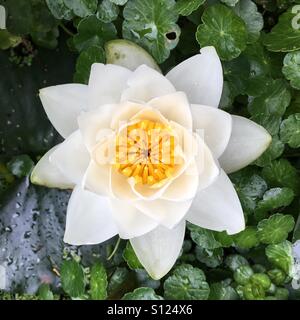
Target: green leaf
{"points": [[59, 9], [222, 291], [142, 294], [107, 11], [85, 61], [186, 283], [253, 291], [290, 130], [98, 282], [211, 258], [72, 278], [20, 166], [152, 25], [234, 261], [8, 40], [274, 151], [281, 256], [116, 281], [275, 229], [250, 187], [82, 8], [274, 99], [291, 68], [204, 238], [276, 198], [44, 292], [247, 238], [224, 30], [283, 36], [47, 39], [243, 274], [281, 173], [187, 7], [230, 3], [119, 2], [247, 10], [131, 258], [93, 32]]}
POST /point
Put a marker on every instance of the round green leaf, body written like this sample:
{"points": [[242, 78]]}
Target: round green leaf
{"points": [[98, 282], [291, 68], [224, 30], [274, 151], [107, 11], [59, 9], [211, 258], [152, 25], [281, 256], [275, 229], [187, 283], [142, 294], [247, 10], [247, 238], [290, 130], [131, 258], [72, 278]]}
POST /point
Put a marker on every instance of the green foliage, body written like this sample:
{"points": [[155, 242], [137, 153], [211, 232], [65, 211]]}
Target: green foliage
{"points": [[152, 24], [72, 278], [142, 294], [224, 30], [260, 55], [187, 283], [98, 282]]}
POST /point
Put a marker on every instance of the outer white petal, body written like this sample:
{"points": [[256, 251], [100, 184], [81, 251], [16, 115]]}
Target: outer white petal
{"points": [[96, 179], [145, 84], [63, 104], [71, 157], [159, 249], [166, 213], [130, 221], [46, 174], [218, 207], [215, 125], [89, 219], [174, 106], [91, 123], [200, 77], [247, 142], [185, 186], [106, 84]]}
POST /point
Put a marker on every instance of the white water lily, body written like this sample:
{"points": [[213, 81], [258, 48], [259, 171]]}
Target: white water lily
{"points": [[142, 200]]}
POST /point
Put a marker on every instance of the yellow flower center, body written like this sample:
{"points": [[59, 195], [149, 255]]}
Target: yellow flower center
{"points": [[145, 150]]}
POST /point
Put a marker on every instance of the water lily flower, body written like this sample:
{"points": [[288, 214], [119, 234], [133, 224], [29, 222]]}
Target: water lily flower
{"points": [[137, 194]]}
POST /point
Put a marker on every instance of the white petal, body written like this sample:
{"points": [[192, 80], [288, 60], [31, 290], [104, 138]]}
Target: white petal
{"points": [[200, 77], [48, 175], [145, 84], [174, 106], [215, 125], [247, 142], [130, 221], [71, 157], [159, 249], [89, 219], [218, 207], [91, 123], [106, 84], [208, 168], [120, 186], [63, 104], [97, 179], [185, 186], [166, 213], [124, 113]]}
